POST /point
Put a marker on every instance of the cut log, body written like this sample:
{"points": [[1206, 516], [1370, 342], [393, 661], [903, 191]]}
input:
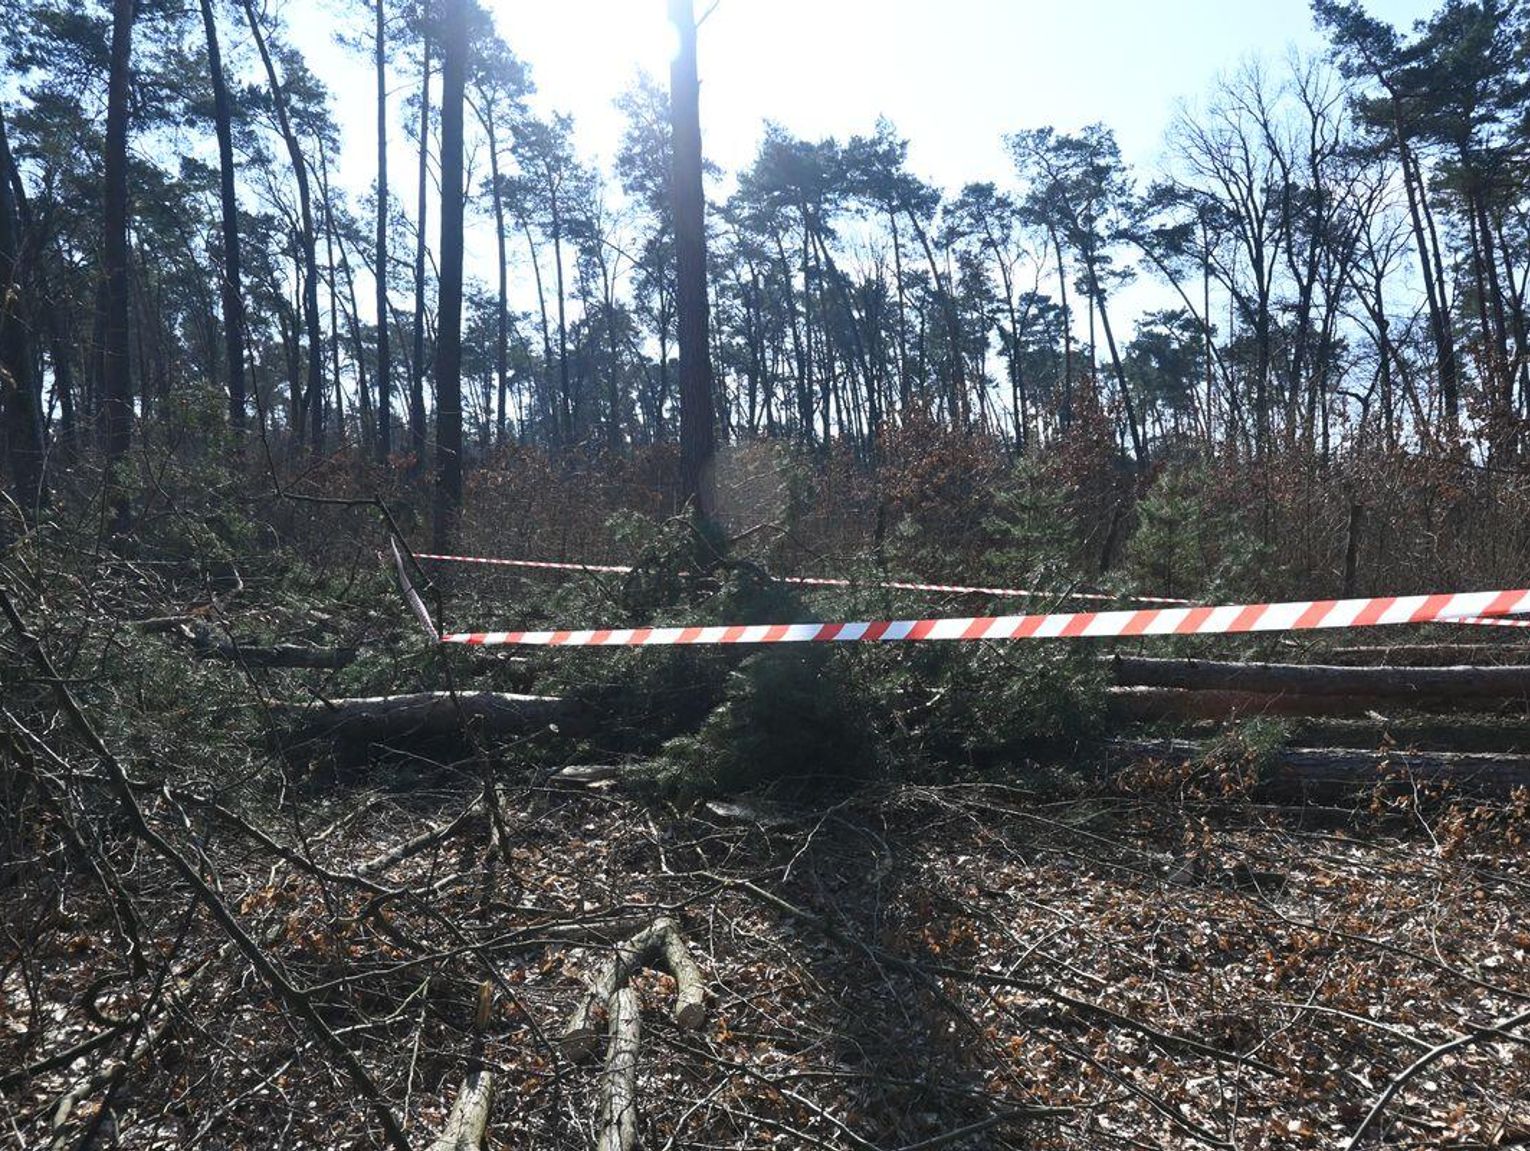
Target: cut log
{"points": [[1461, 682], [1487, 771], [618, 1093], [690, 988], [467, 1127], [661, 944], [432, 713], [1154, 704]]}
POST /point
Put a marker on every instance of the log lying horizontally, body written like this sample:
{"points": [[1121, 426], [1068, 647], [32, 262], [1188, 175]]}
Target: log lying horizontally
{"points": [[1509, 682], [426, 713], [1428, 654], [1153, 704], [1323, 765]]}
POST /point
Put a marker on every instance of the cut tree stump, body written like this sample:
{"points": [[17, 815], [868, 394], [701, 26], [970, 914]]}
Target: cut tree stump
{"points": [[431, 713]]}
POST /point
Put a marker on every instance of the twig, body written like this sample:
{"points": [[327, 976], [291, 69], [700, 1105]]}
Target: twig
{"points": [[1433, 1055]]}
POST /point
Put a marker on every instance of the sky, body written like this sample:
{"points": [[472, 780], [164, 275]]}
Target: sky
{"points": [[954, 76]]}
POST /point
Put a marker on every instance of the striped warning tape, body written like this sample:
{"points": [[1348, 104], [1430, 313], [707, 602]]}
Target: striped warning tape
{"points": [[818, 581], [1301, 615]]}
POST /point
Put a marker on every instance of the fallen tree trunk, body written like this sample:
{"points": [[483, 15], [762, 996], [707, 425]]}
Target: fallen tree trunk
{"points": [[1154, 704], [427, 713], [585, 774], [1426, 654], [1348, 766], [1462, 682]]}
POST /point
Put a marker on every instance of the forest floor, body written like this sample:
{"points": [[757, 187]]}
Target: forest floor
{"points": [[918, 967]]}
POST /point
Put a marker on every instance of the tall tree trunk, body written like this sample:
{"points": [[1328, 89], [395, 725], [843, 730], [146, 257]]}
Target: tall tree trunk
{"points": [[60, 355], [536, 274], [448, 363], [1434, 281], [308, 240], [501, 321], [417, 363], [696, 407], [565, 396], [960, 401], [334, 293], [1065, 410], [369, 430], [384, 367], [116, 371], [904, 391], [19, 401], [232, 288], [1139, 444], [1503, 399], [613, 376]]}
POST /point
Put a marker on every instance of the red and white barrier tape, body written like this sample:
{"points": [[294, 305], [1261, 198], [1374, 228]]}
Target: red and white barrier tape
{"points": [[1301, 615], [816, 581]]}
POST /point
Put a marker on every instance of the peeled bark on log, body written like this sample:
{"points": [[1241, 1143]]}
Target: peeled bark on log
{"points": [[1346, 766], [618, 1093], [1462, 682], [375, 719], [659, 943]]}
